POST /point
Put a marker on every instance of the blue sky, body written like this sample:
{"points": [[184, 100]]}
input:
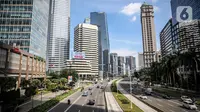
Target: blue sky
{"points": [[123, 21]]}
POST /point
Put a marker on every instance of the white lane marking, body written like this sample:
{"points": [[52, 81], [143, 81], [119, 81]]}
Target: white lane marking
{"points": [[170, 105], [158, 100], [82, 104], [93, 111], [175, 102], [171, 111], [72, 104], [160, 105], [79, 111], [61, 102], [24, 103]]}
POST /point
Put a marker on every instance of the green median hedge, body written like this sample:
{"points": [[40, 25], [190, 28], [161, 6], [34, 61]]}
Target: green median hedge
{"points": [[47, 105]]}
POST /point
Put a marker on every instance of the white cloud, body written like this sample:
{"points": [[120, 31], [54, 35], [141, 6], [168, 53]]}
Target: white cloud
{"points": [[133, 19], [154, 1], [131, 9], [124, 52], [156, 9], [125, 41]]}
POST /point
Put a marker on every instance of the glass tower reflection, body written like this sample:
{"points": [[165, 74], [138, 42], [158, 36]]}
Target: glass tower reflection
{"points": [[100, 19], [24, 23]]}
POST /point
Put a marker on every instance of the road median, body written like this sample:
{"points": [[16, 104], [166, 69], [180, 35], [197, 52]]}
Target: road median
{"points": [[123, 101], [49, 104]]}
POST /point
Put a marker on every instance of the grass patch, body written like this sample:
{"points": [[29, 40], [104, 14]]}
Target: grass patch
{"points": [[198, 102], [124, 102], [171, 92], [47, 105]]}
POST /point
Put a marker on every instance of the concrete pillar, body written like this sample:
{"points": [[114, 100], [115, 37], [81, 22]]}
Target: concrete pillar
{"points": [[27, 67], [20, 71], [32, 71]]}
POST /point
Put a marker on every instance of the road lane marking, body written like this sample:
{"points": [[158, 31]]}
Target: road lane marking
{"points": [[171, 111], [79, 111], [160, 105], [93, 111], [170, 105], [62, 101], [82, 104], [72, 104]]}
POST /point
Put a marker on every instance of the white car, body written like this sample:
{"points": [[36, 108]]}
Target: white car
{"points": [[186, 98], [189, 105], [143, 97], [85, 93]]}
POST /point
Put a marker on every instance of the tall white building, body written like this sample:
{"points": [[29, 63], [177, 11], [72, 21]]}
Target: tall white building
{"points": [[86, 40], [59, 34], [114, 63], [148, 34]]}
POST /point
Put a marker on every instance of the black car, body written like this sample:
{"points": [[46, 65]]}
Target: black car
{"points": [[91, 102], [166, 96], [97, 86], [90, 89]]}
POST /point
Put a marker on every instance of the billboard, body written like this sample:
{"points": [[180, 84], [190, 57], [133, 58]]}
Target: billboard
{"points": [[69, 79], [79, 55]]}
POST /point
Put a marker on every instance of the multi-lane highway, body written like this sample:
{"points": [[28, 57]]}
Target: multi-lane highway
{"points": [[172, 105], [79, 102]]}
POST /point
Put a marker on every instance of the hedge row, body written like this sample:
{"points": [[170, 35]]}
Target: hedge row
{"points": [[47, 105]]}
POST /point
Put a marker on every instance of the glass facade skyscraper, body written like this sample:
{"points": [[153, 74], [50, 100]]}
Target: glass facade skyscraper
{"points": [[59, 34], [24, 23], [192, 3], [100, 19]]}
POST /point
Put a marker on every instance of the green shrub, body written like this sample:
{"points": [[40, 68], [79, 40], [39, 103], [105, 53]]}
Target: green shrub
{"points": [[47, 105], [30, 91], [198, 102]]}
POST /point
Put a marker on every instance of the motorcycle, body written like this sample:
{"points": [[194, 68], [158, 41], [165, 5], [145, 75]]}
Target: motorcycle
{"points": [[69, 101]]}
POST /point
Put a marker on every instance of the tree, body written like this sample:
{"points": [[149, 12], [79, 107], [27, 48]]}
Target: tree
{"points": [[56, 81], [46, 82], [7, 83], [36, 83], [54, 75], [63, 81], [66, 72]]}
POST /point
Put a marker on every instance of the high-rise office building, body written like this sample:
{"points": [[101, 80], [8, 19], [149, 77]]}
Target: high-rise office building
{"points": [[114, 63], [148, 34], [59, 34], [166, 41], [86, 40], [24, 23], [100, 19], [121, 65], [140, 60], [130, 62], [194, 4]]}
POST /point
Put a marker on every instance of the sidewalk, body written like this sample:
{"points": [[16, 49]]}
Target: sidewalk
{"points": [[25, 107], [112, 105], [134, 100]]}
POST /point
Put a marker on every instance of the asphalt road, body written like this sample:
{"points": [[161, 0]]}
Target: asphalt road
{"points": [[172, 105], [79, 102]]}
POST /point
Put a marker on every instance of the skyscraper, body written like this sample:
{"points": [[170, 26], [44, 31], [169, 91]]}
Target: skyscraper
{"points": [[24, 23], [100, 19], [130, 62], [192, 3], [59, 34], [140, 60], [166, 42], [121, 65], [86, 40], [114, 63], [148, 34]]}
